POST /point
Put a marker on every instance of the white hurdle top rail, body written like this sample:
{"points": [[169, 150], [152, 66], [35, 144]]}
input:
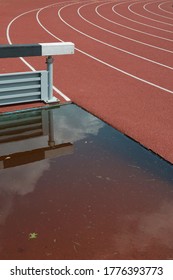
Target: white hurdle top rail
{"points": [[40, 49]]}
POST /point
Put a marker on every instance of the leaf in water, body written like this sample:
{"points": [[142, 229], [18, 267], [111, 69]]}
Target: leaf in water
{"points": [[33, 235]]}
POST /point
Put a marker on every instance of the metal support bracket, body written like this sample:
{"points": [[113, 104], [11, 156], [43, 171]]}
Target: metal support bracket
{"points": [[51, 98]]}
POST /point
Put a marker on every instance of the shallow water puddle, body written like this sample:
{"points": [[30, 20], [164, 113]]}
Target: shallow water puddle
{"points": [[72, 187]]}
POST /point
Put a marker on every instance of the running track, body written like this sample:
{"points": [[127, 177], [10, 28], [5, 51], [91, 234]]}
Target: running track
{"points": [[123, 65]]}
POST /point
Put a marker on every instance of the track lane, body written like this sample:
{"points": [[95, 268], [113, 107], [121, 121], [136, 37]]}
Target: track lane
{"points": [[121, 109], [38, 36], [139, 10], [166, 7], [153, 9], [121, 10], [104, 11], [125, 42], [117, 58], [135, 108]]}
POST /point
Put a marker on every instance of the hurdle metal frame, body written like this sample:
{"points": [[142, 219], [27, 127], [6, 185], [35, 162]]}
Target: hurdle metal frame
{"points": [[22, 87]]}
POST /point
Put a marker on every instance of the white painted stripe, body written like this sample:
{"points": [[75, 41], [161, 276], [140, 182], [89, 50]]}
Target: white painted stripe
{"points": [[37, 17], [66, 98], [135, 21], [163, 9], [151, 12], [130, 28], [131, 39], [9, 39], [101, 61], [129, 8], [27, 64], [122, 50]]}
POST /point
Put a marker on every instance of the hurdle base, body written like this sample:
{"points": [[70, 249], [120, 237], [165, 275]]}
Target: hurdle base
{"points": [[52, 100]]}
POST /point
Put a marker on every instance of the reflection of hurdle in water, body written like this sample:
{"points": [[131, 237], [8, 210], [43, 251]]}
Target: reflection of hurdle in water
{"points": [[31, 86], [29, 137]]}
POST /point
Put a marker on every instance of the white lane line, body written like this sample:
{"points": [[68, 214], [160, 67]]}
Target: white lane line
{"points": [[151, 12], [136, 41], [21, 58], [92, 57], [140, 23], [130, 28], [148, 18], [109, 65], [112, 46], [9, 38], [168, 12]]}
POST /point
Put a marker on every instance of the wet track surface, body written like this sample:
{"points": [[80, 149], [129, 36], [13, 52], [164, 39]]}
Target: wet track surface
{"points": [[73, 187]]}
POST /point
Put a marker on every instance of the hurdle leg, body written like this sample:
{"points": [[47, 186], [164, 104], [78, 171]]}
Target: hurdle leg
{"points": [[49, 62]]}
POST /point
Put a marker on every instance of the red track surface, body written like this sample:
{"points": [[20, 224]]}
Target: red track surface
{"points": [[123, 65]]}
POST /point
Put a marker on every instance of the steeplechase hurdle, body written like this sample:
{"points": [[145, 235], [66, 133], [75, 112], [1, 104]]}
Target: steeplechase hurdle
{"points": [[21, 87]]}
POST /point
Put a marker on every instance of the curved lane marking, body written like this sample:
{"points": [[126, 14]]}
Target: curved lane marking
{"points": [[9, 39], [109, 65], [163, 9], [136, 41], [135, 21], [130, 28], [151, 12], [79, 50], [135, 13], [66, 98], [112, 46]]}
